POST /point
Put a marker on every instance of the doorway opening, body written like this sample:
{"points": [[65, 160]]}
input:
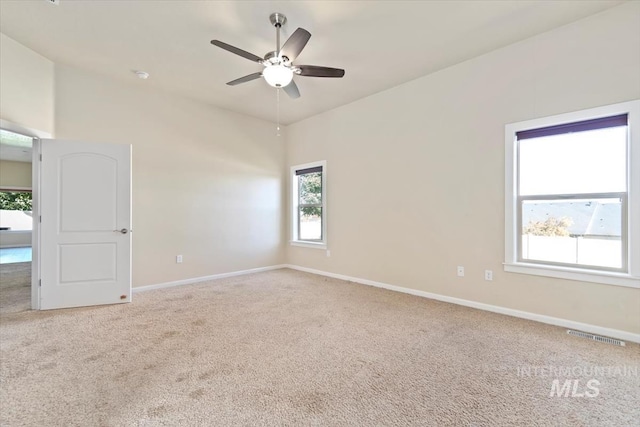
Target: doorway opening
{"points": [[16, 221]]}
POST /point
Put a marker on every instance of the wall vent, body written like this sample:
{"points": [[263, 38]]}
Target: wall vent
{"points": [[598, 338]]}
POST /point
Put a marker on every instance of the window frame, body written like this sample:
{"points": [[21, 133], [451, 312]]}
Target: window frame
{"points": [[630, 277], [295, 205]]}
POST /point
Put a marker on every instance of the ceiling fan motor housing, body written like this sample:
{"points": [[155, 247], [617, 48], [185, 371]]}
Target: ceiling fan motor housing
{"points": [[272, 58]]}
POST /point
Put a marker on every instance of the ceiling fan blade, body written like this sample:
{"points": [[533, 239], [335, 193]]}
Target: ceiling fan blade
{"points": [[245, 79], [316, 71], [292, 90], [294, 45], [233, 49]]}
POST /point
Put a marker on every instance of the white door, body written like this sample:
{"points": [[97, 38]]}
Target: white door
{"points": [[85, 230]]}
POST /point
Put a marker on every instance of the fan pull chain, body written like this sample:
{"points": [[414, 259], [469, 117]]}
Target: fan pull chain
{"points": [[278, 112]]}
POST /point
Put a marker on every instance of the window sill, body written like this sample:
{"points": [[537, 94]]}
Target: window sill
{"points": [[604, 277], [314, 245], [15, 231]]}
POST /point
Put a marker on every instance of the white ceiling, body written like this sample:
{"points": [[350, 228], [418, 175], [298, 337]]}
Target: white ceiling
{"points": [[380, 44]]}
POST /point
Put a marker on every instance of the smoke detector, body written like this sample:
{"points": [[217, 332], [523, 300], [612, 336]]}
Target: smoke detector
{"points": [[141, 74]]}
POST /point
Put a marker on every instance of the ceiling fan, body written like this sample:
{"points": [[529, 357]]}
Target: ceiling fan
{"points": [[278, 65]]}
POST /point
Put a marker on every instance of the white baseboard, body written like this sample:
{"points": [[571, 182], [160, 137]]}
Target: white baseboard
{"points": [[206, 278], [598, 330]]}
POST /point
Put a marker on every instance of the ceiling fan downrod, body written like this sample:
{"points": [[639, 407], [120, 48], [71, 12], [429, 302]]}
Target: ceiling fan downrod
{"points": [[277, 20]]}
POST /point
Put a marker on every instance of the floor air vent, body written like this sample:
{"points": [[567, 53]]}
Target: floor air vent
{"points": [[596, 338]]}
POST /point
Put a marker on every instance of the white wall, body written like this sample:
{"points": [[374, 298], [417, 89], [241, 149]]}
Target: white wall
{"points": [[15, 239], [416, 173], [26, 86], [207, 183], [15, 174]]}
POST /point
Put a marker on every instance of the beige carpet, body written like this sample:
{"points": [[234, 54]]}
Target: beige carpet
{"points": [[285, 348], [15, 287]]}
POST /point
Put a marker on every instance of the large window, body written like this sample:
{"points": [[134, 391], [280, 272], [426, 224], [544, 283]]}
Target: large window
{"points": [[572, 202], [309, 204]]}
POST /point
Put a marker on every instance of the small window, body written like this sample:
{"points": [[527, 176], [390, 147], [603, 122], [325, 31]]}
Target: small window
{"points": [[571, 201], [309, 204]]}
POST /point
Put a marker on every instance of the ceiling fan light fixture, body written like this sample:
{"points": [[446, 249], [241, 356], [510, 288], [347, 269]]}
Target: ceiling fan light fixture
{"points": [[277, 75], [278, 64]]}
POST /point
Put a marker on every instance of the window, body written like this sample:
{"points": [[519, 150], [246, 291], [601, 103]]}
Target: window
{"points": [[573, 196], [309, 223], [15, 202], [15, 211]]}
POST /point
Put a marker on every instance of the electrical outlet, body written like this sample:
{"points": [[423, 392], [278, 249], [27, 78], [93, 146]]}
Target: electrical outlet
{"points": [[460, 271], [178, 259], [328, 253], [488, 275]]}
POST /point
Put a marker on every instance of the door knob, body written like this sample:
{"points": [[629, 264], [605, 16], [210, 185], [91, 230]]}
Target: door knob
{"points": [[123, 231]]}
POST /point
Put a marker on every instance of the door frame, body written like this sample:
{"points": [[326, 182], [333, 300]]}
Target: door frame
{"points": [[35, 195]]}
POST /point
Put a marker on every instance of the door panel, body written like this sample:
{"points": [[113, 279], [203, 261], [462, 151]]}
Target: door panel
{"points": [[88, 262], [85, 206], [98, 212]]}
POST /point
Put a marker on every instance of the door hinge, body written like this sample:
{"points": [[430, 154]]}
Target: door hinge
{"points": [[40, 157], [40, 282], [40, 218]]}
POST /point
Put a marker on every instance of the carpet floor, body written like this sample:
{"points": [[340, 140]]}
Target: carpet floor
{"points": [[286, 348], [15, 287]]}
